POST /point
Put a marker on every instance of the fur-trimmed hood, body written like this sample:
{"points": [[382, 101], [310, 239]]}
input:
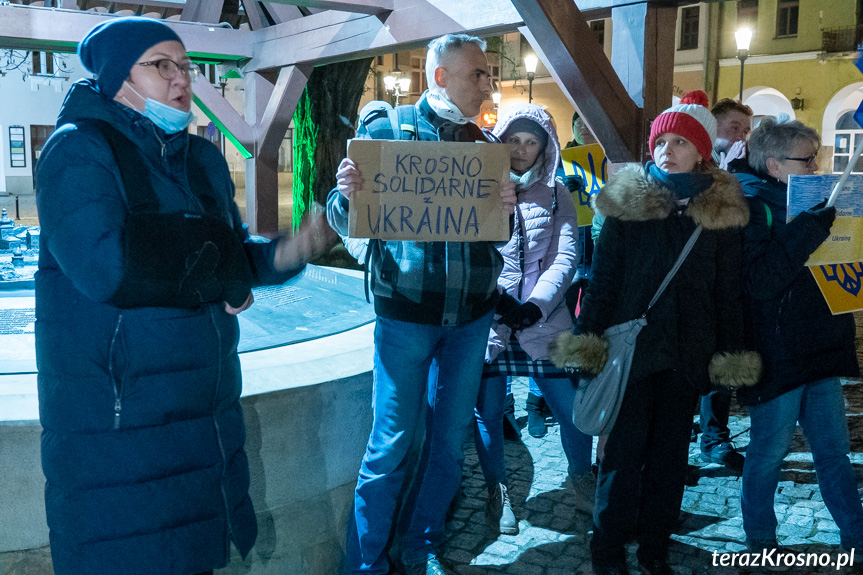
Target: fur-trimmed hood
{"points": [[634, 195]]}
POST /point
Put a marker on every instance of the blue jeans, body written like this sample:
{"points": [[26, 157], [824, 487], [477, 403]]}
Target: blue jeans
{"points": [[715, 407], [404, 397], [559, 395], [820, 408]]}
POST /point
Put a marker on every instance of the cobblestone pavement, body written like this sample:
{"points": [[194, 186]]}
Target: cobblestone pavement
{"points": [[553, 538]]}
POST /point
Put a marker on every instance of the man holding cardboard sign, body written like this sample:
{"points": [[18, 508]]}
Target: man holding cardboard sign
{"points": [[434, 299]]}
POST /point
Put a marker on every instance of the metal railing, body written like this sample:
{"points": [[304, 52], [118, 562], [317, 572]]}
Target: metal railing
{"points": [[841, 39]]}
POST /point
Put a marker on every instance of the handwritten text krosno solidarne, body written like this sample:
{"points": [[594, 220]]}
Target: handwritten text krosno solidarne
{"points": [[442, 177]]}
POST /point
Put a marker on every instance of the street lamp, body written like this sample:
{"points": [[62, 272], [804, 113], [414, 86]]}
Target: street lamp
{"points": [[397, 85], [530, 63], [743, 37]]}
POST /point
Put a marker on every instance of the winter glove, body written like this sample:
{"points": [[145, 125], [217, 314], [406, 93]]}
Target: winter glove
{"points": [[506, 304], [523, 316], [181, 260], [573, 183], [824, 216], [583, 355]]}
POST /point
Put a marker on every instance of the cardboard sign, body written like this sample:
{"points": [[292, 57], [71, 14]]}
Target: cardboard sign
{"points": [[590, 163], [840, 284], [429, 191], [845, 242]]}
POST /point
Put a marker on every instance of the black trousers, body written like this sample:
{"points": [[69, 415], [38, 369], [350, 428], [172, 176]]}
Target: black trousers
{"points": [[643, 471], [715, 407]]}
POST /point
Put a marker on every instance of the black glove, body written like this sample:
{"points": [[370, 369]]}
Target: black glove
{"points": [[523, 316], [824, 216], [181, 260], [573, 183], [506, 304]]}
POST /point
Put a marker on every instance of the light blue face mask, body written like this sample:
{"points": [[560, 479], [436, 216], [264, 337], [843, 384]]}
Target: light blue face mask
{"points": [[166, 117], [170, 119]]}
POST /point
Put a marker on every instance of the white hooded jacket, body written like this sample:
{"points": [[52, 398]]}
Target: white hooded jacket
{"points": [[547, 216]]}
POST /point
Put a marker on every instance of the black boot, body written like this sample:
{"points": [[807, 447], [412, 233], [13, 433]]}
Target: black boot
{"points": [[535, 419], [511, 430]]}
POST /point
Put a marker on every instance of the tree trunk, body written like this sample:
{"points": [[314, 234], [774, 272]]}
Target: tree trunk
{"points": [[325, 118]]}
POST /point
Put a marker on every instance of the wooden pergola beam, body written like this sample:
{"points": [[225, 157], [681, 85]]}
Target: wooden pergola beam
{"points": [[357, 6], [270, 105], [281, 13], [253, 14], [568, 48], [228, 120], [642, 53], [205, 11], [23, 28], [333, 36]]}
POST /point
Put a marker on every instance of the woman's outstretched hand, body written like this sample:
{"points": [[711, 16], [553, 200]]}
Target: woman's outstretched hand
{"points": [[314, 238]]}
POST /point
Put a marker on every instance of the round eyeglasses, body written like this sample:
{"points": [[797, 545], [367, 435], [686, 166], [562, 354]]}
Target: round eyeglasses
{"points": [[168, 69]]}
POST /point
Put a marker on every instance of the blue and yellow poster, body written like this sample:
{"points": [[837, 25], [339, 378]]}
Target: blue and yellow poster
{"points": [[840, 284], [590, 163], [845, 242]]}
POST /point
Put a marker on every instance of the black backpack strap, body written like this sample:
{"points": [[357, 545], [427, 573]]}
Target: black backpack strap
{"points": [[366, 263], [140, 196], [199, 183], [138, 188]]}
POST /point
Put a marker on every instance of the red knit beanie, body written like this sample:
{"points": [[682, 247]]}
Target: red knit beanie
{"points": [[691, 119]]}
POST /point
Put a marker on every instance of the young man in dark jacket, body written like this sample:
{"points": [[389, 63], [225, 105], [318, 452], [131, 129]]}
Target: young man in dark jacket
{"points": [[434, 301], [805, 349]]}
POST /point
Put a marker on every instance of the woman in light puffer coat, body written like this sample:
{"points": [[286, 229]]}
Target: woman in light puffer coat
{"points": [[539, 264]]}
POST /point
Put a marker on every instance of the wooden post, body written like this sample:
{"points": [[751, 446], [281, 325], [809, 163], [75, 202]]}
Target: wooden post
{"points": [[270, 104], [568, 48], [642, 54]]}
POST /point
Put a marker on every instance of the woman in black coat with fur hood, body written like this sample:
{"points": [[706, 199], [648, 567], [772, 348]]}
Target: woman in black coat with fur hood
{"points": [[694, 333]]}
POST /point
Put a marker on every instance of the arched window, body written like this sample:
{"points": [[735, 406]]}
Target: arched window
{"points": [[848, 136]]}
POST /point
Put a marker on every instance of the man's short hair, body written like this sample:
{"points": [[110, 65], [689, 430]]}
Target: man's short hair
{"points": [[441, 47], [726, 105], [774, 138]]}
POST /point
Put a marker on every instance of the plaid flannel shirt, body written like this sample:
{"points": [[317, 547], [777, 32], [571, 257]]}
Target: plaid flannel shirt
{"points": [[443, 283]]}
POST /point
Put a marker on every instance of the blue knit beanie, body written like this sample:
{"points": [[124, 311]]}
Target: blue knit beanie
{"points": [[111, 48]]}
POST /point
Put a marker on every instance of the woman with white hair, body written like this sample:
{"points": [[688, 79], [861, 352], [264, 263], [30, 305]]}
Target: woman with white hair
{"points": [[805, 348]]}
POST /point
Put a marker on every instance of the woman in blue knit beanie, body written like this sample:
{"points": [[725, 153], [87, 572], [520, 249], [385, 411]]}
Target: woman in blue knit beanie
{"points": [[144, 266]]}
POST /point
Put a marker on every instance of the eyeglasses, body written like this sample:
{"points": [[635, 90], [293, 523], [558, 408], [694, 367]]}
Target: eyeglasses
{"points": [[808, 160], [168, 69]]}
